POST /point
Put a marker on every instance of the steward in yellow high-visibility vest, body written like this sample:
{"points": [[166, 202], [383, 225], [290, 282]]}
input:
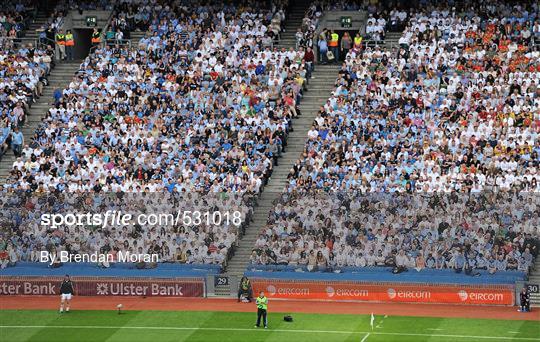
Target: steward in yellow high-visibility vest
{"points": [[60, 38], [358, 42], [334, 39], [69, 39], [262, 307], [70, 43]]}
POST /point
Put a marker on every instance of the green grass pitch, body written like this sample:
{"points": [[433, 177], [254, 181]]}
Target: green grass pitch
{"points": [[156, 326]]}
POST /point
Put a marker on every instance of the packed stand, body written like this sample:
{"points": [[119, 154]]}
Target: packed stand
{"points": [[336, 231], [376, 28], [243, 106], [23, 73], [181, 240], [397, 20], [200, 106], [454, 110], [15, 17]]}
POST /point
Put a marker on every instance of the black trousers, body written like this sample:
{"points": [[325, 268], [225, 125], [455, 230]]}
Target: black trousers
{"points": [[261, 313], [247, 292]]}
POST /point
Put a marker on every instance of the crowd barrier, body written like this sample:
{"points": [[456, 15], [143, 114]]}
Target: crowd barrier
{"points": [[385, 274], [101, 286], [121, 270], [385, 292]]}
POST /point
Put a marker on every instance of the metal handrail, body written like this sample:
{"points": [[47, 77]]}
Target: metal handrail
{"points": [[19, 41], [370, 42], [122, 42], [48, 41], [93, 48], [52, 42], [104, 30]]}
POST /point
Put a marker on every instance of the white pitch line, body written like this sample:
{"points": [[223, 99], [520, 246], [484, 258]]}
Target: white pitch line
{"points": [[252, 329], [365, 337], [381, 321]]}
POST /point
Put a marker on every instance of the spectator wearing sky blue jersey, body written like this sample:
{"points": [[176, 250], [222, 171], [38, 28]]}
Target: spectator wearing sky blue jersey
{"points": [[17, 141]]}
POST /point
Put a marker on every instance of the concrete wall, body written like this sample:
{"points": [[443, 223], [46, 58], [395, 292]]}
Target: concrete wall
{"points": [[79, 20], [332, 21]]}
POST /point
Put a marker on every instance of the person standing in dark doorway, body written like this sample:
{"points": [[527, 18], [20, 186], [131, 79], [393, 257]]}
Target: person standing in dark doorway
{"points": [[70, 45], [262, 308], [346, 45], [96, 37]]}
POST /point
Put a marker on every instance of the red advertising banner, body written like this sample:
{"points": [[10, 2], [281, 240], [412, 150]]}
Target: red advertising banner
{"points": [[406, 293], [92, 286]]}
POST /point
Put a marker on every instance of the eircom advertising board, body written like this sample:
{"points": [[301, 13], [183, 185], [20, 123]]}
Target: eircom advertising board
{"points": [[93, 286], [387, 292]]}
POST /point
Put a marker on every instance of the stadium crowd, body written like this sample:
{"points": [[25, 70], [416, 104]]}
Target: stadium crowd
{"points": [[23, 73], [183, 241], [376, 28], [323, 231], [15, 16], [202, 105], [429, 116], [208, 112], [454, 110]]}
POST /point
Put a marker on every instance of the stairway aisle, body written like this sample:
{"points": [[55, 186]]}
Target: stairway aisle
{"points": [[135, 37], [292, 22], [59, 78], [320, 89], [534, 278], [41, 18], [392, 40]]}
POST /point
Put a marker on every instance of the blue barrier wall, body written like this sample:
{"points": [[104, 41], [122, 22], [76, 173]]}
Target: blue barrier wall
{"points": [[384, 274], [116, 270]]}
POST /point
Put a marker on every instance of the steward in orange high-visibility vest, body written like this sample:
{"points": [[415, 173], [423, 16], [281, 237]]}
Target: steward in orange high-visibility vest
{"points": [[334, 45], [96, 37]]}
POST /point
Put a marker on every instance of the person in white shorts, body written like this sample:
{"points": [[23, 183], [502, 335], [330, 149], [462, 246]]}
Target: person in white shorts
{"points": [[66, 292]]}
